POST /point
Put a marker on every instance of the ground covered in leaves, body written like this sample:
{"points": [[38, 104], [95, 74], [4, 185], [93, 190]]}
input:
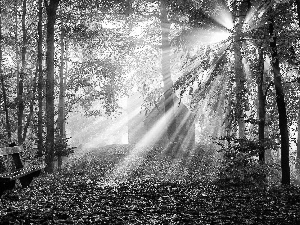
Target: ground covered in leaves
{"points": [[79, 196]]}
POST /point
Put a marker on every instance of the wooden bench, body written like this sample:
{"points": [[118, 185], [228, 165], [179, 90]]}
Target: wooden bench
{"points": [[17, 171]]}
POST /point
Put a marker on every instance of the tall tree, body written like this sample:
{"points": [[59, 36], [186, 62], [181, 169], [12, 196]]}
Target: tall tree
{"points": [[16, 43], [165, 68], [241, 9], [61, 102], [7, 122], [51, 9], [31, 105], [298, 10], [283, 127], [40, 144], [22, 75], [261, 104], [298, 141]]}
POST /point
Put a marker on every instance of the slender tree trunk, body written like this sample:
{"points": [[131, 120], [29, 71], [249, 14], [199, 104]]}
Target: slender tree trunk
{"points": [[298, 10], [285, 167], [228, 122], [240, 78], [61, 103], [166, 71], [8, 129], [5, 108], [40, 141], [298, 140], [51, 9], [29, 117], [16, 44], [240, 85], [21, 76], [261, 106]]}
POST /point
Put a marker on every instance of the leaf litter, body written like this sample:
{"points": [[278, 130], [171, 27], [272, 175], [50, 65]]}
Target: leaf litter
{"points": [[78, 197]]}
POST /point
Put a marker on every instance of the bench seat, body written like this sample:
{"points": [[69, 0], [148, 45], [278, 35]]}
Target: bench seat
{"points": [[23, 173]]}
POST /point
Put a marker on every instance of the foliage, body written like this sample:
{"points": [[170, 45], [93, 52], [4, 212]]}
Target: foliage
{"points": [[240, 165], [62, 148]]}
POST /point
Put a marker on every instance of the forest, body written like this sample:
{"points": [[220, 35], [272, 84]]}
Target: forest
{"points": [[151, 111]]}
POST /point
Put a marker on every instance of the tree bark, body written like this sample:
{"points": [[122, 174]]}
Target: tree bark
{"points": [[16, 44], [21, 76], [298, 10], [29, 117], [261, 106], [240, 78], [40, 142], [285, 167], [7, 122], [240, 85], [61, 103], [51, 9], [166, 71], [298, 140]]}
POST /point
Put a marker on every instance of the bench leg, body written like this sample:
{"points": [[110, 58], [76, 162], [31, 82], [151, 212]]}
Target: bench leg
{"points": [[26, 180], [7, 185]]}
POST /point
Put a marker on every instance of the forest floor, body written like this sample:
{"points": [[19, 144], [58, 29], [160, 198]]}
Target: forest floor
{"points": [[82, 196]]}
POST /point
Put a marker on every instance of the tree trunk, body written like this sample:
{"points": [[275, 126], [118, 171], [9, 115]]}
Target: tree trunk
{"points": [[240, 78], [7, 122], [261, 106], [228, 122], [166, 71], [21, 76], [40, 141], [51, 9], [240, 86], [298, 140], [16, 44], [29, 117], [61, 103], [8, 129], [285, 167], [298, 10]]}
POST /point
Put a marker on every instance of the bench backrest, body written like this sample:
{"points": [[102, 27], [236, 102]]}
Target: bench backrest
{"points": [[14, 153], [10, 150]]}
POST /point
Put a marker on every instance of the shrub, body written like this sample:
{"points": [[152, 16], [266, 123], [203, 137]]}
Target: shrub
{"points": [[240, 166], [62, 148]]}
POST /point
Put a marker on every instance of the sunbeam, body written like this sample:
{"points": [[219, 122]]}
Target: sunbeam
{"points": [[94, 133], [136, 156], [224, 17], [208, 37], [253, 19], [207, 77]]}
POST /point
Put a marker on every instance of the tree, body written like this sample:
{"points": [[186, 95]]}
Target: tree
{"points": [[298, 10], [61, 103], [22, 75], [7, 122], [241, 9], [166, 72], [298, 142], [51, 9], [261, 105], [40, 141], [284, 136]]}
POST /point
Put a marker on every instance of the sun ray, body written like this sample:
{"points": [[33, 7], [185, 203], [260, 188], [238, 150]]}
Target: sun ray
{"points": [[136, 156]]}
